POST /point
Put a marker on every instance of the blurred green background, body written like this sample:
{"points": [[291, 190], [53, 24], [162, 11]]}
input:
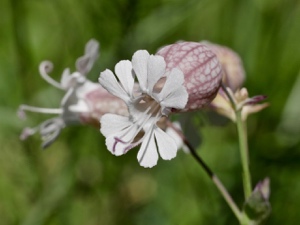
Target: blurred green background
{"points": [[77, 181]]}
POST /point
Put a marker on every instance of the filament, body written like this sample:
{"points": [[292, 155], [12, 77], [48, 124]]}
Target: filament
{"points": [[40, 110], [46, 67]]}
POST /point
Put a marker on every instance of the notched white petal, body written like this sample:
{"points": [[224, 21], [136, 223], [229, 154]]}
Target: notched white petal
{"points": [[176, 99], [108, 80], [112, 123], [140, 64], [174, 81], [174, 94], [167, 147], [156, 69], [119, 132], [116, 150], [124, 72], [148, 155], [120, 142]]}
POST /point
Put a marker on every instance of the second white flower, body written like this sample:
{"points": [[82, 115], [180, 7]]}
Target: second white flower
{"points": [[154, 97]]}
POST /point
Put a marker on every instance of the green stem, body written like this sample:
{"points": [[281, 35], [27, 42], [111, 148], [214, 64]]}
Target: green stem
{"points": [[213, 177], [227, 197], [242, 133]]}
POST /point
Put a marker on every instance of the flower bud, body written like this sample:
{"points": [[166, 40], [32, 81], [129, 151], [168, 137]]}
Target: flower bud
{"points": [[257, 207], [233, 70], [222, 104], [201, 68]]}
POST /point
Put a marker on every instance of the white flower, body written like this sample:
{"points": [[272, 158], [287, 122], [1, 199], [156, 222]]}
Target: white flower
{"points": [[72, 106], [157, 95], [83, 102]]}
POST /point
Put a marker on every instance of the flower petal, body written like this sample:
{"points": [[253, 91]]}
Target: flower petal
{"points": [[174, 93], [250, 109], [139, 64], [124, 72], [112, 123], [119, 132], [174, 81], [167, 147], [147, 155], [156, 69], [120, 142], [108, 80], [176, 99], [174, 135], [222, 105]]}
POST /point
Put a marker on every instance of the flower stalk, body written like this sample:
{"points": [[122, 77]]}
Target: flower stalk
{"points": [[243, 142], [222, 189]]}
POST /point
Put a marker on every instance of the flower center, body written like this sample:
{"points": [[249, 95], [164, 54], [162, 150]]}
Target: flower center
{"points": [[145, 113]]}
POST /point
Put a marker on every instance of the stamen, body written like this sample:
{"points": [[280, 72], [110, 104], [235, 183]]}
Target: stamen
{"points": [[67, 96], [23, 108], [27, 131], [50, 130], [45, 68], [47, 141]]}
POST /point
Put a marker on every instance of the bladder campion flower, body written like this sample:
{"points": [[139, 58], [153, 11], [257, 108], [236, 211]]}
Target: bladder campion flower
{"points": [[158, 94], [84, 101], [201, 68]]}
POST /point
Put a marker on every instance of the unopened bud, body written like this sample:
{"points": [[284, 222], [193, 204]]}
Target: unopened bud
{"points": [[233, 70], [257, 207]]}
